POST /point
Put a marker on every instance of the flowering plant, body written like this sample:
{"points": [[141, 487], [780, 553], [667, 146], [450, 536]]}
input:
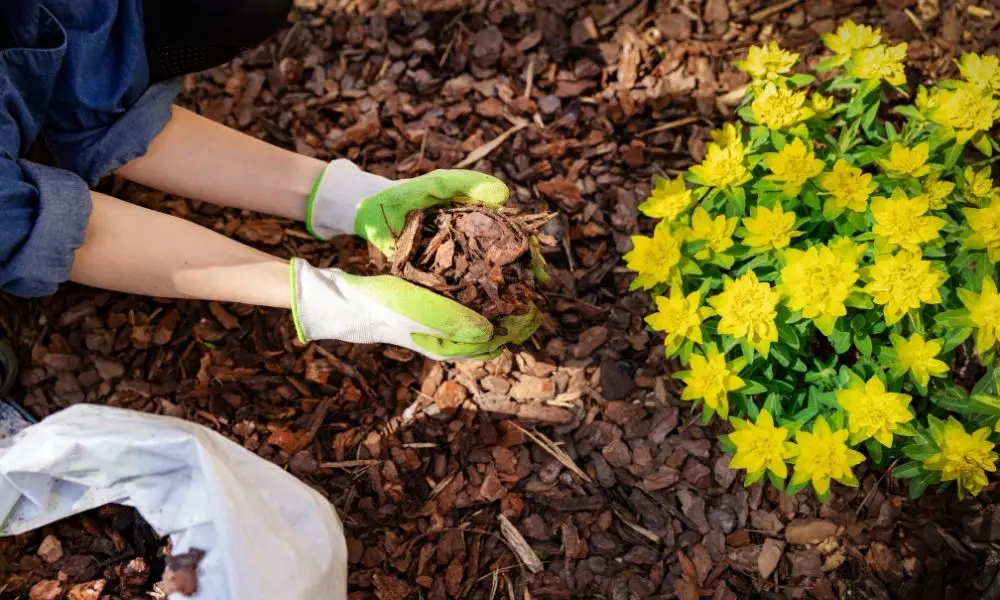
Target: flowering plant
{"points": [[827, 275]]}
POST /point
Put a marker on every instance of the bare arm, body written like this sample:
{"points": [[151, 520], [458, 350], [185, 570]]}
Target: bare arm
{"points": [[132, 249], [200, 159]]}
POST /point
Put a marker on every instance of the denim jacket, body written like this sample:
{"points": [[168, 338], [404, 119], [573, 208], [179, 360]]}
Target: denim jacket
{"points": [[75, 72]]}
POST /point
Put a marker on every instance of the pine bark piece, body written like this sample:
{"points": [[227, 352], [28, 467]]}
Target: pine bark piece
{"points": [[520, 546]]}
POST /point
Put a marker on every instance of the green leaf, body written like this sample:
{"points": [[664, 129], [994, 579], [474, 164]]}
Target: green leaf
{"points": [[801, 79], [874, 450], [752, 387], [936, 426], [746, 113], [777, 139], [919, 451], [985, 404], [950, 396], [989, 382], [841, 341], [954, 338], [795, 488], [907, 470], [952, 156], [917, 487], [863, 343], [787, 335], [779, 355], [982, 143], [952, 318], [773, 405], [776, 481]]}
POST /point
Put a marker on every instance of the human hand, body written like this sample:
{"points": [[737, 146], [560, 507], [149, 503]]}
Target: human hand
{"points": [[346, 199], [332, 304]]}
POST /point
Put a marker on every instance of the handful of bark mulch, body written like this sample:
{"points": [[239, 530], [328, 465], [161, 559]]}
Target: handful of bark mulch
{"points": [[487, 260], [109, 553]]}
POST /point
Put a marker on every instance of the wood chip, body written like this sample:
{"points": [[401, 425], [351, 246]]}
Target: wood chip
{"points": [[520, 546]]}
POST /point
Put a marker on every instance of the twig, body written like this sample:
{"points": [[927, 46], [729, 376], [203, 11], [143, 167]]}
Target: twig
{"points": [[530, 77], [669, 125], [351, 464], [874, 489], [346, 369], [557, 452], [321, 411], [764, 13], [485, 149], [520, 546], [649, 535]]}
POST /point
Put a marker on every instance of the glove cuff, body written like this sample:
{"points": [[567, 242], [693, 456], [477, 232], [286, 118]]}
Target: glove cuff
{"points": [[333, 204], [318, 295]]}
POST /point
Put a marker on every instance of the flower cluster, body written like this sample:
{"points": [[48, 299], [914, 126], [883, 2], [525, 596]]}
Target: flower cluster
{"points": [[823, 269]]}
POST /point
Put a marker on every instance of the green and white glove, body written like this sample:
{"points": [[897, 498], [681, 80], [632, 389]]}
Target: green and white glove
{"points": [[332, 304], [347, 200]]}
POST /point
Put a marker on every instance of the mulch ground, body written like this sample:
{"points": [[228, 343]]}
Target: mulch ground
{"points": [[568, 469]]}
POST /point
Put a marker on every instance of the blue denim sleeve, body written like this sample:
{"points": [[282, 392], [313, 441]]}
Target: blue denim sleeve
{"points": [[103, 111], [43, 211]]}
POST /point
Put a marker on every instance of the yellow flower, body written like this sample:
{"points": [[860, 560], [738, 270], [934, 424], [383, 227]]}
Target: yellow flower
{"points": [[873, 412], [823, 455], [767, 62], [667, 200], [880, 63], [985, 226], [984, 312], [710, 379], [849, 188], [769, 228], [850, 37], [902, 221], [821, 104], [919, 357], [963, 457], [903, 281], [679, 317], [847, 250], [718, 232], [761, 446], [937, 193], [723, 166], [747, 309], [979, 184], [779, 107], [964, 111], [982, 72], [729, 135], [654, 259], [907, 162], [817, 282], [794, 166]]}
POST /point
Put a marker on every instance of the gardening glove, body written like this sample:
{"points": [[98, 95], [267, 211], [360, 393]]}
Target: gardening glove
{"points": [[346, 199], [332, 304]]}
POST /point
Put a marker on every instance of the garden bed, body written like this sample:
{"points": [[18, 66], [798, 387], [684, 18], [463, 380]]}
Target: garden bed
{"points": [[579, 439]]}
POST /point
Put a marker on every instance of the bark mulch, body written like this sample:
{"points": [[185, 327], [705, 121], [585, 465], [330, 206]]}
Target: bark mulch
{"points": [[568, 469]]}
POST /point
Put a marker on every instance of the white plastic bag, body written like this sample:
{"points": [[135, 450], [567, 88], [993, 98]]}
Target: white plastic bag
{"points": [[266, 534]]}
